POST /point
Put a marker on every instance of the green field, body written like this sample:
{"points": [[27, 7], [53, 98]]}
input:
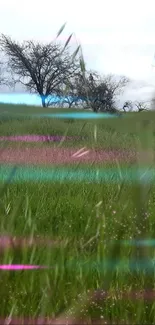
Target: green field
{"points": [[88, 219]]}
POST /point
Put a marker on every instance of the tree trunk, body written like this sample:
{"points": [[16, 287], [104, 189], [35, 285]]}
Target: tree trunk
{"points": [[43, 100]]}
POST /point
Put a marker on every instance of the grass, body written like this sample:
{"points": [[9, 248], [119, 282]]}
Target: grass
{"points": [[87, 218], [111, 133]]}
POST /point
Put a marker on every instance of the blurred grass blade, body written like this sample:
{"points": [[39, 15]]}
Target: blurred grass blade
{"points": [[61, 29], [76, 52], [68, 40], [145, 160], [82, 65]]}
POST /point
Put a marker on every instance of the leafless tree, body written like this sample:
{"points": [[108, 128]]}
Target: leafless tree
{"points": [[141, 106], [117, 86], [3, 79], [66, 94], [96, 92], [40, 68], [128, 105]]}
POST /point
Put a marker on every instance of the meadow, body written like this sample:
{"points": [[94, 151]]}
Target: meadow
{"points": [[82, 230]]}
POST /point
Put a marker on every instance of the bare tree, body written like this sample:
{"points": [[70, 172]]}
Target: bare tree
{"points": [[128, 105], [68, 91], [116, 86], [141, 106], [1, 75], [96, 92], [40, 68], [3, 79], [66, 94]]}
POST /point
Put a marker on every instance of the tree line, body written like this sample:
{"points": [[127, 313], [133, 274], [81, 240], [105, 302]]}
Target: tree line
{"points": [[52, 71]]}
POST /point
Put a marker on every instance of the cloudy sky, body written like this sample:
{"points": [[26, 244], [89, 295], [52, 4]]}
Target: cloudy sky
{"points": [[117, 36]]}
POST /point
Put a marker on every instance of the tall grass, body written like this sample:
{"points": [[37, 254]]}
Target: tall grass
{"points": [[88, 220], [92, 274]]}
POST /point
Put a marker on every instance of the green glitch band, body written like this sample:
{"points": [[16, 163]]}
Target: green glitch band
{"points": [[64, 174]]}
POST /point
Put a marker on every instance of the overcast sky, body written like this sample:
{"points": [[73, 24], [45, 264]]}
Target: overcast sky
{"points": [[117, 36]]}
